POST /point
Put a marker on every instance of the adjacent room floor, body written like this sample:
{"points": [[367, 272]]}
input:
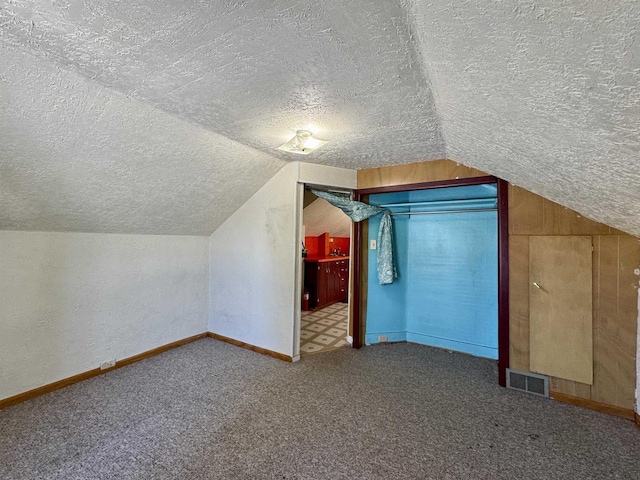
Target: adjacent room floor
{"points": [[212, 410], [324, 329]]}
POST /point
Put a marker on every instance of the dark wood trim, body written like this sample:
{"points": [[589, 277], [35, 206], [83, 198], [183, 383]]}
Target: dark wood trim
{"points": [[455, 182], [248, 346], [355, 265], [65, 382], [503, 257], [637, 419], [593, 405], [503, 282]]}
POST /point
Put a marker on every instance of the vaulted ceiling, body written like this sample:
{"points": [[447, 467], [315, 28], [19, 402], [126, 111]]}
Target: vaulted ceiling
{"points": [[321, 217], [163, 117]]}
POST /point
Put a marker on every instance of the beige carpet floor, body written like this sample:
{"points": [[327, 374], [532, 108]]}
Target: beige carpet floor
{"points": [[209, 410]]}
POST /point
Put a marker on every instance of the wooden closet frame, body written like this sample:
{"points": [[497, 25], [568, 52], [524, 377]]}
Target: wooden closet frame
{"points": [[503, 259]]}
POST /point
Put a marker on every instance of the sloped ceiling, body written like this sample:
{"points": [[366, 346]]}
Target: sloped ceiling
{"points": [[545, 94], [162, 117], [78, 157]]}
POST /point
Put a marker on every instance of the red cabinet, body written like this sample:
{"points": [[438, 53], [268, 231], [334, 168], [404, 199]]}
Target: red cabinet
{"points": [[326, 280]]}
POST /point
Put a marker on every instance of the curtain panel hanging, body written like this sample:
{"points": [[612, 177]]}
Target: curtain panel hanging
{"points": [[359, 211]]}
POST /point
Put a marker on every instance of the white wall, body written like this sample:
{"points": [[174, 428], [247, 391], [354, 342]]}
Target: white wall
{"points": [[315, 174], [320, 217], [255, 261], [251, 268], [69, 301]]}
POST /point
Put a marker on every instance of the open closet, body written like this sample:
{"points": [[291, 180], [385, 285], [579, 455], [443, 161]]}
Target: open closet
{"points": [[446, 251], [325, 272]]}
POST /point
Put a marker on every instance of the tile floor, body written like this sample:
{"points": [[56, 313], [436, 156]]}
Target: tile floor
{"points": [[324, 329]]}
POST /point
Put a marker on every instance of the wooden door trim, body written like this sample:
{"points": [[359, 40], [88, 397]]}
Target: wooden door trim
{"points": [[355, 273], [503, 258], [503, 281], [455, 182]]}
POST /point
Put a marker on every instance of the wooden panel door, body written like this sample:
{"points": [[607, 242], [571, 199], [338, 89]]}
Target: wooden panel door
{"points": [[560, 302]]}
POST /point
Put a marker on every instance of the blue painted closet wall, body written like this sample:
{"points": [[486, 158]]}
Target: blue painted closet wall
{"points": [[446, 294]]}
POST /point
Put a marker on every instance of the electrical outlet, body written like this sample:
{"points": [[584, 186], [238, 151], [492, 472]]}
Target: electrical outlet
{"points": [[108, 364], [373, 244], [382, 338]]}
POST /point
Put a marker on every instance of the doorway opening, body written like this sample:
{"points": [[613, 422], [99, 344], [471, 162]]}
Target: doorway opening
{"points": [[446, 256], [326, 247], [361, 257]]}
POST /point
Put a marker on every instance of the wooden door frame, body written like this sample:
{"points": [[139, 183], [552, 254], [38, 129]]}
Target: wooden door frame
{"points": [[503, 259], [300, 275]]}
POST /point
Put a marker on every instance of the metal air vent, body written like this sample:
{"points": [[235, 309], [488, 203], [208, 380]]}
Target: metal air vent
{"points": [[528, 382]]}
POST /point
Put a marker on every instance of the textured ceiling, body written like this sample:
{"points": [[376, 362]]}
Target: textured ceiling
{"points": [[252, 71], [545, 94], [162, 117], [78, 157]]}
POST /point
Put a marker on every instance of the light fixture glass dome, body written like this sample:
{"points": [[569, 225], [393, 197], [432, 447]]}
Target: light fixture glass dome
{"points": [[302, 143]]}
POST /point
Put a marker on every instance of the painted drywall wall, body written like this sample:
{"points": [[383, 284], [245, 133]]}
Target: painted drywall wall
{"points": [[70, 301], [386, 306], [313, 174], [452, 285], [321, 216], [252, 262], [255, 262]]}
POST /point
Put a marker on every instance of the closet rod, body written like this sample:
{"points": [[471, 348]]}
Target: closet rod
{"points": [[445, 211], [436, 202]]}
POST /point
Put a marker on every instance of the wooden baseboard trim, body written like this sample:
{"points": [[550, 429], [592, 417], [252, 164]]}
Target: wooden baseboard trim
{"points": [[248, 346], [593, 405], [65, 382], [637, 419]]}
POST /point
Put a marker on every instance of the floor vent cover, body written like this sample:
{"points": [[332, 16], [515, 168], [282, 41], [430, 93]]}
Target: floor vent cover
{"points": [[528, 382]]}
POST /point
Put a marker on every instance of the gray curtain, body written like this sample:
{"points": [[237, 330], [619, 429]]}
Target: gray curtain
{"points": [[359, 211]]}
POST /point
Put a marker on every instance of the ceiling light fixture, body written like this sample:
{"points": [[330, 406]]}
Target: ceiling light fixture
{"points": [[302, 143]]}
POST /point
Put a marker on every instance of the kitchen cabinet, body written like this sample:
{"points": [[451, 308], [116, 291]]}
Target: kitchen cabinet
{"points": [[327, 280]]}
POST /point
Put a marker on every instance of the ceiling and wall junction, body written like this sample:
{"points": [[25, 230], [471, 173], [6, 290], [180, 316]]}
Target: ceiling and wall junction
{"points": [[163, 117]]}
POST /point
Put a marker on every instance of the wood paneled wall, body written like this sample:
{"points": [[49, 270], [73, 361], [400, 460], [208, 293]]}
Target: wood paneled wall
{"points": [[415, 173], [615, 294]]}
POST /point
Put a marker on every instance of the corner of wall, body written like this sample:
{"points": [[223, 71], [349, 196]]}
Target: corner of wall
{"points": [[251, 268], [252, 260]]}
